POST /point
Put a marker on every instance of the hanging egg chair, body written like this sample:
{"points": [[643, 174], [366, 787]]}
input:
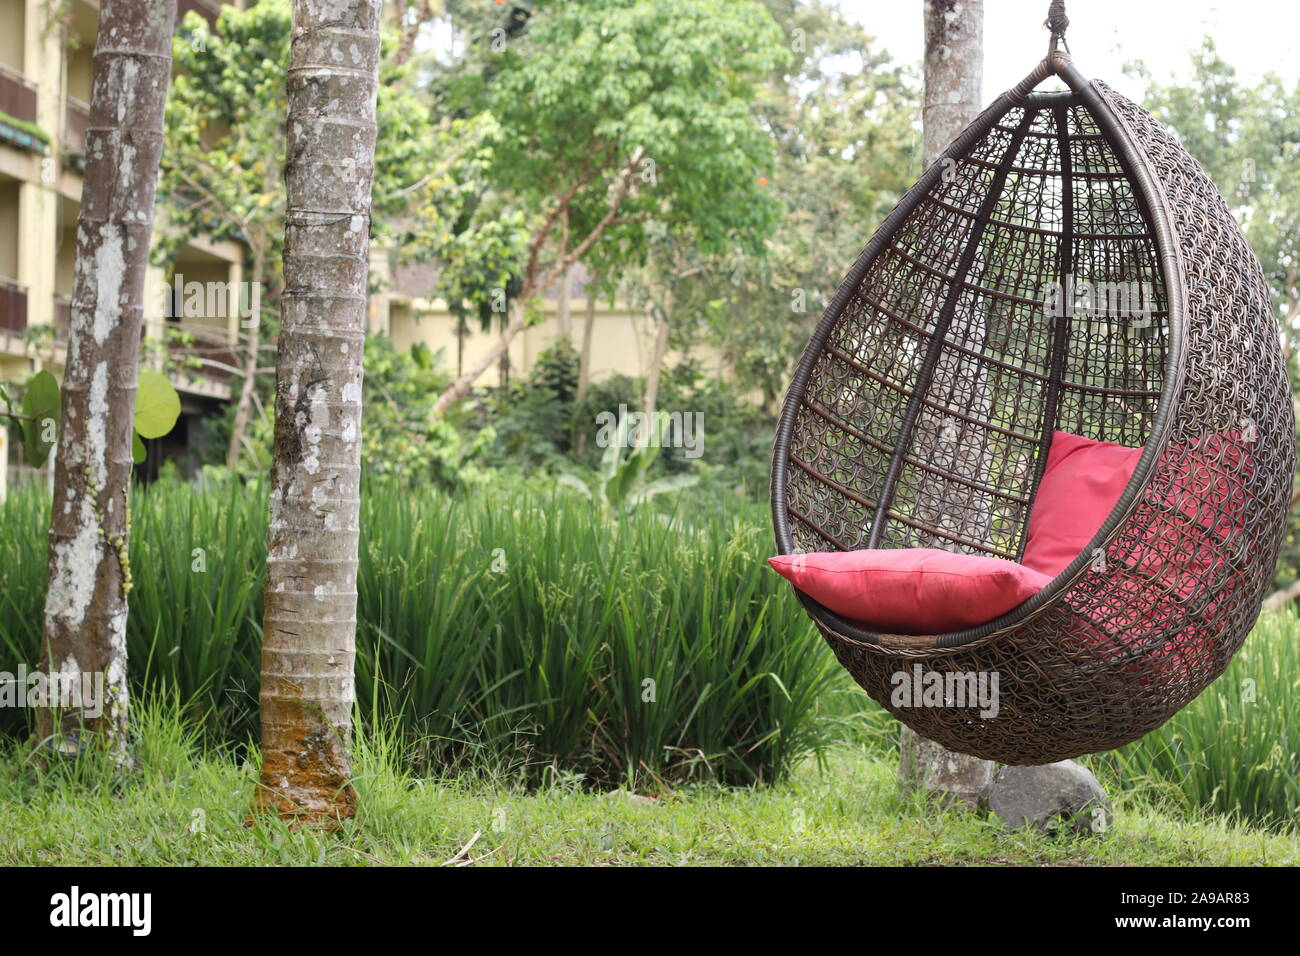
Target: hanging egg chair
{"points": [[921, 413]]}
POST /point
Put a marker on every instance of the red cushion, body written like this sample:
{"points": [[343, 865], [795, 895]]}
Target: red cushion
{"points": [[911, 590], [1182, 551], [1081, 485], [1185, 546], [1184, 554]]}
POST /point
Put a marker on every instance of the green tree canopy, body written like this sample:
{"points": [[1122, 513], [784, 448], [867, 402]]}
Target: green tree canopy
{"points": [[843, 119], [616, 115], [1247, 136]]}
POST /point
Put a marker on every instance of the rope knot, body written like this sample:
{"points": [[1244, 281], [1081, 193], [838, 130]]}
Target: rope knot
{"points": [[1056, 20]]}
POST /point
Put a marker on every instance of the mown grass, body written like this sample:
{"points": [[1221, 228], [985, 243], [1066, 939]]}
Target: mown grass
{"points": [[186, 805]]}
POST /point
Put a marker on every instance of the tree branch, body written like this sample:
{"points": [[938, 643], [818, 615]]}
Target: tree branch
{"points": [[1281, 598], [565, 261]]}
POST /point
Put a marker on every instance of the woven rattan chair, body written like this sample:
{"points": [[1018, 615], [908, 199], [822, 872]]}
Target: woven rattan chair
{"points": [[922, 409]]}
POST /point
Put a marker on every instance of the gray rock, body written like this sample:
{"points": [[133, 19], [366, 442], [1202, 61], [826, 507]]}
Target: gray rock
{"points": [[1055, 797], [950, 778]]}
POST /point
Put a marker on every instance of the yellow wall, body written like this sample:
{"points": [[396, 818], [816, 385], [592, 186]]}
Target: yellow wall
{"points": [[9, 228], [12, 367], [13, 14], [209, 310], [85, 24], [622, 339]]}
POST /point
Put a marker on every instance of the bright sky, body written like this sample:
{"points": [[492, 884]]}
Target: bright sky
{"points": [[1255, 36]]}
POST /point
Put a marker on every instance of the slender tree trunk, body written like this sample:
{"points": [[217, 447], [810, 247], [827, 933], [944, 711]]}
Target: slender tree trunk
{"points": [[563, 314], [89, 576], [584, 356], [423, 12], [584, 360], [503, 364], [1292, 310], [309, 634], [461, 386], [563, 311], [650, 399], [954, 71], [462, 330], [655, 371], [254, 344]]}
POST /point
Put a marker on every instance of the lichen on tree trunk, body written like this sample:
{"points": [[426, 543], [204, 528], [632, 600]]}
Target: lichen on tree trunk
{"points": [[309, 632], [954, 70], [89, 575]]}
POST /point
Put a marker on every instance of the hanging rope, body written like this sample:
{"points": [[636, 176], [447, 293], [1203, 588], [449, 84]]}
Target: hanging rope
{"points": [[1057, 22]]}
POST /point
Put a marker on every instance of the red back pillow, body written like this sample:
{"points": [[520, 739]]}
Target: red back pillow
{"points": [[1182, 547], [1186, 545], [1081, 485], [911, 590]]}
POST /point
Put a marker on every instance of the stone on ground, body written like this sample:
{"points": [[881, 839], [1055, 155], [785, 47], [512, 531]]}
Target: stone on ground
{"points": [[1054, 797]]}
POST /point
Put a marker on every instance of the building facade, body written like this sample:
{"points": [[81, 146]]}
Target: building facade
{"points": [[45, 81]]}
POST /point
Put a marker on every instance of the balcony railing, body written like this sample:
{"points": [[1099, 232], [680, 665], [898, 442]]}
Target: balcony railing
{"points": [[13, 306], [216, 358], [17, 95], [76, 120]]}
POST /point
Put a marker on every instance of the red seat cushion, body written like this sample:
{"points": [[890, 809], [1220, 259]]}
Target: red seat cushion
{"points": [[1081, 485], [911, 590]]}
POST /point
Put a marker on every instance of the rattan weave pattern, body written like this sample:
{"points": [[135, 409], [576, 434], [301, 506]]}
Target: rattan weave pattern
{"points": [[1066, 265]]}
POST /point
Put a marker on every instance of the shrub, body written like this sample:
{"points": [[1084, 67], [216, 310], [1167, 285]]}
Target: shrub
{"points": [[534, 418]]}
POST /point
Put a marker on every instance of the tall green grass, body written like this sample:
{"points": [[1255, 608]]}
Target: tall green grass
{"points": [[1235, 750], [519, 632], [506, 629], [197, 562]]}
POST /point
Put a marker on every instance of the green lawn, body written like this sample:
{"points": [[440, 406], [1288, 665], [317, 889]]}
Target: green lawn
{"points": [[843, 812]]}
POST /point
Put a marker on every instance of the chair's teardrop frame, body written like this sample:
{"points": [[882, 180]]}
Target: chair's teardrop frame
{"points": [[1060, 697]]}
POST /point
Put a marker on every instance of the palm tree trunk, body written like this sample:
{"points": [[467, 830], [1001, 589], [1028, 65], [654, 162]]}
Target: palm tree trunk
{"points": [[89, 576], [309, 634], [954, 71]]}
